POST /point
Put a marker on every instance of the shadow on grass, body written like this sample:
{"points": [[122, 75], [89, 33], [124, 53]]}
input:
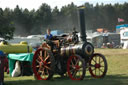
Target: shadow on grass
{"points": [[108, 80]]}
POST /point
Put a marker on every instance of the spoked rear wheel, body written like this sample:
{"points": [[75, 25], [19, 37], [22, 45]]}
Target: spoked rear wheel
{"points": [[76, 67], [98, 65], [43, 64]]}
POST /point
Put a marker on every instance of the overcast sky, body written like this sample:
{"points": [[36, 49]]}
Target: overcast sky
{"points": [[34, 4]]}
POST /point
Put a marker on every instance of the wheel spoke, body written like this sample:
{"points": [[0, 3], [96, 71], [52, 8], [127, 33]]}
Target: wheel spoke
{"points": [[47, 67], [43, 73], [95, 71], [49, 62], [37, 61], [101, 70], [74, 73], [77, 62], [47, 71], [92, 65], [37, 66], [41, 58], [45, 54], [72, 63], [40, 53], [101, 66], [75, 58], [72, 66], [72, 70], [94, 60], [99, 60], [39, 71], [47, 58]]}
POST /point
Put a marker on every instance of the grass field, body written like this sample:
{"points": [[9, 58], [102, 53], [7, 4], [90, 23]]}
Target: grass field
{"points": [[117, 74]]}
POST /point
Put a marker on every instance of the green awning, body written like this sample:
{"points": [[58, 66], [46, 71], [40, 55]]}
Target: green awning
{"points": [[20, 57]]}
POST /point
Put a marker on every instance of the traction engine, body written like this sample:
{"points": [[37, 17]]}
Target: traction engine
{"points": [[62, 55]]}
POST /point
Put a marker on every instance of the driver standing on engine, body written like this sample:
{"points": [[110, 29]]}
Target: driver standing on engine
{"points": [[48, 37]]}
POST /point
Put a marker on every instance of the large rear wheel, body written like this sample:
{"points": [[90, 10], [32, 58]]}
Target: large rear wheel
{"points": [[76, 67], [43, 64]]}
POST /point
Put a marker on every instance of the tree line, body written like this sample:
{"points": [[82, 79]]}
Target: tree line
{"points": [[25, 22]]}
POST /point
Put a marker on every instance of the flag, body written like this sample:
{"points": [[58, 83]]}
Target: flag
{"points": [[120, 20]]}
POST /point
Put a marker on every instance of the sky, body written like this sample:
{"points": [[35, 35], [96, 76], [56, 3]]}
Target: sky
{"points": [[35, 4]]}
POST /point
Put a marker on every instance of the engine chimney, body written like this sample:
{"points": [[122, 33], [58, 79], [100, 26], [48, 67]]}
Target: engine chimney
{"points": [[82, 24]]}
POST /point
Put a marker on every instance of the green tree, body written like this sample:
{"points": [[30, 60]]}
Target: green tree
{"points": [[6, 27], [43, 17]]}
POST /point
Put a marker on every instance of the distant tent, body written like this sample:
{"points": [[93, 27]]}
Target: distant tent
{"points": [[56, 32], [121, 26]]}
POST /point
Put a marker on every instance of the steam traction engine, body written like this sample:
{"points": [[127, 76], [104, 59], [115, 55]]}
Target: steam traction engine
{"points": [[61, 55]]}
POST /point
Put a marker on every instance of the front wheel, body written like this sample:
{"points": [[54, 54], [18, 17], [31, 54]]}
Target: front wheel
{"points": [[76, 67], [98, 65]]}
